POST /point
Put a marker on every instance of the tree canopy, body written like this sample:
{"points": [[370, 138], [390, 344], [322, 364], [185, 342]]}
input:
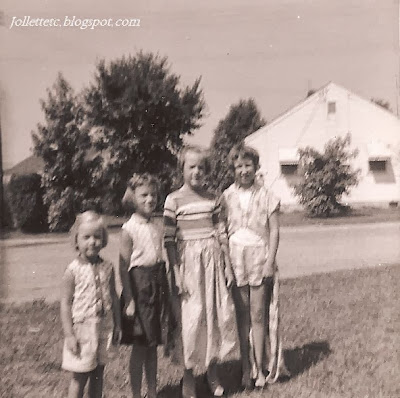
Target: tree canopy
{"points": [[137, 115], [131, 118], [63, 147], [242, 119]]}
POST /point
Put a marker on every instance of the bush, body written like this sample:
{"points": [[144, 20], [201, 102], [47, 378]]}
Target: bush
{"points": [[24, 197], [6, 217], [326, 177]]}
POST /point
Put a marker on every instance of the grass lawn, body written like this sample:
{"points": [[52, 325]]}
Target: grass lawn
{"points": [[341, 336], [355, 216]]}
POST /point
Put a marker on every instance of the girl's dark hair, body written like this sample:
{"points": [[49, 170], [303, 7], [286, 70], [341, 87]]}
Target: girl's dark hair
{"points": [[196, 149], [243, 151], [138, 180]]}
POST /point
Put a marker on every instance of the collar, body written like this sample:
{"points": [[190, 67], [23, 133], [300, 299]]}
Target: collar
{"points": [[83, 262], [253, 188], [140, 219]]}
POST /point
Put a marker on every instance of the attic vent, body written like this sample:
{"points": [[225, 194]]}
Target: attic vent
{"points": [[331, 107]]}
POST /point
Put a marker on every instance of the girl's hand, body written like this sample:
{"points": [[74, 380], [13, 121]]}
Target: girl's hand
{"points": [[269, 264], [180, 287], [117, 334], [72, 344], [229, 278], [130, 309]]}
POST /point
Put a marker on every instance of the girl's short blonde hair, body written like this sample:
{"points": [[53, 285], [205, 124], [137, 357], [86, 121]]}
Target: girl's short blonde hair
{"points": [[86, 217], [195, 149], [138, 180]]}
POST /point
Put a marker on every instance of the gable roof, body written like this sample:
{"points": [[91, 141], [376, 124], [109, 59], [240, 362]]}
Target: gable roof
{"points": [[330, 85], [31, 164]]}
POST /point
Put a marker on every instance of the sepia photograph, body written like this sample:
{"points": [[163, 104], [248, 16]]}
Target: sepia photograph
{"points": [[200, 199]]}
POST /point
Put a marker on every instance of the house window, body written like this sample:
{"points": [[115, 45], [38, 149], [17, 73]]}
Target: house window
{"points": [[377, 165], [288, 160], [289, 169], [331, 108]]}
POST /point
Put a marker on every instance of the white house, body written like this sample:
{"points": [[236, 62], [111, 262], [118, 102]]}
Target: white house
{"points": [[330, 112]]}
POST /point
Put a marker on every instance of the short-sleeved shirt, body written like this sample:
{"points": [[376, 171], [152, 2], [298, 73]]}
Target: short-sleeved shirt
{"points": [[90, 299], [190, 216], [254, 215], [147, 241]]}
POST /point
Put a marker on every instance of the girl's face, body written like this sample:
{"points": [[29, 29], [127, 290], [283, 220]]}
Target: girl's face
{"points": [[194, 170], [90, 240], [245, 172], [145, 200]]}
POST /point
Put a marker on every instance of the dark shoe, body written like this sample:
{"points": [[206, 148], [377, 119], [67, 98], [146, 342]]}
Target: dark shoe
{"points": [[185, 391], [247, 382], [215, 387]]}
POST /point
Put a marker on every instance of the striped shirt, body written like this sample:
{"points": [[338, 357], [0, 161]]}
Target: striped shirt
{"points": [[146, 238], [189, 216]]}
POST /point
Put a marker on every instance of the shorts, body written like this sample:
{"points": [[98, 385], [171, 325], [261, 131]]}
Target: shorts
{"points": [[248, 264], [153, 323], [94, 336]]}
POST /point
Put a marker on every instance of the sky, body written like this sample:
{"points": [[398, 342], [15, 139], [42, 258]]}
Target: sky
{"points": [[272, 51]]}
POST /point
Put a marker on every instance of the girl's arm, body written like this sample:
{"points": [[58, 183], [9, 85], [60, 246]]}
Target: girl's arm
{"points": [[115, 309], [222, 220], [170, 227], [67, 294], [125, 253], [273, 240], [172, 254]]}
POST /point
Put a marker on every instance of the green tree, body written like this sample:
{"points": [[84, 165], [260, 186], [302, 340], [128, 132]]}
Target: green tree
{"points": [[137, 115], [326, 177], [63, 147], [243, 119]]}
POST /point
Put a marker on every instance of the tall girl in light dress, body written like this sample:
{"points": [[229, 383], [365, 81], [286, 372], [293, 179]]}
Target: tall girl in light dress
{"points": [[89, 308], [252, 221], [198, 256], [146, 320]]}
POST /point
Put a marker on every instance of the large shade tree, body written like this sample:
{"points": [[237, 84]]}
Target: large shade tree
{"points": [[137, 115], [243, 119]]}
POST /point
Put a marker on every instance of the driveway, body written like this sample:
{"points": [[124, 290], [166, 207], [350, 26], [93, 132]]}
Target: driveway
{"points": [[34, 271]]}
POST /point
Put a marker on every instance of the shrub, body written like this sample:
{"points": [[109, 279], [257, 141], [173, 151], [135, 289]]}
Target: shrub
{"points": [[24, 197], [326, 177]]}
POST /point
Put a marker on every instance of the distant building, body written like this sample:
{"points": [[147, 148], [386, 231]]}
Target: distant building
{"points": [[31, 164], [330, 112]]}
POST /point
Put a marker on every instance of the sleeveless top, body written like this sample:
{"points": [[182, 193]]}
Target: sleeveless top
{"points": [[91, 297]]}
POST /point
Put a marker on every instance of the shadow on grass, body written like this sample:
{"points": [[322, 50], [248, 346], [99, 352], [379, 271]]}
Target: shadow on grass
{"points": [[229, 374], [299, 359]]}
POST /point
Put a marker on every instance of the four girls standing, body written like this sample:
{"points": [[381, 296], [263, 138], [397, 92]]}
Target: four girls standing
{"points": [[211, 245]]}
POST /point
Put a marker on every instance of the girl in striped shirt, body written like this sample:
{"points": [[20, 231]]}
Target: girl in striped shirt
{"points": [[198, 256]]}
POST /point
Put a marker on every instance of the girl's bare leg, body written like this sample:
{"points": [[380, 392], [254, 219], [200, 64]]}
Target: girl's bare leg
{"points": [[151, 372], [189, 384], [138, 358], [96, 382], [213, 380], [257, 314], [77, 385], [242, 306]]}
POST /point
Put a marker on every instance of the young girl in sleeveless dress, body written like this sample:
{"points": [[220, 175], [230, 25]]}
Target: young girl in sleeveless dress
{"points": [[202, 273], [146, 321], [89, 308]]}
